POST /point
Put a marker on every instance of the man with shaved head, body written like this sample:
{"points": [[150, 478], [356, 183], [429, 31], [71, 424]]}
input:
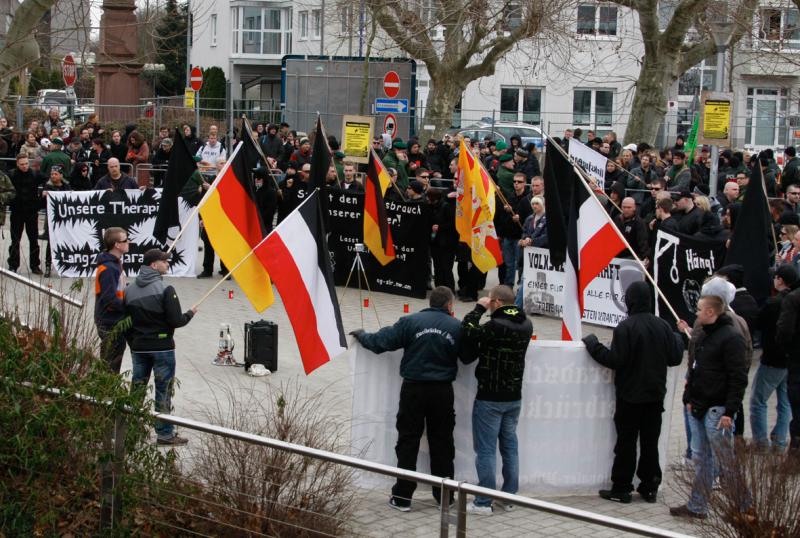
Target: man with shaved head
{"points": [[632, 228], [115, 180]]}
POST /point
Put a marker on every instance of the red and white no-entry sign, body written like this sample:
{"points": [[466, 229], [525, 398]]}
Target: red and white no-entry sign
{"points": [[69, 70], [390, 125], [196, 79], [391, 84]]}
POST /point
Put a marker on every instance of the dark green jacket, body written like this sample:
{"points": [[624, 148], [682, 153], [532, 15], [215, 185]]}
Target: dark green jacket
{"points": [[7, 193], [391, 161], [192, 190], [505, 180], [56, 157], [500, 346]]}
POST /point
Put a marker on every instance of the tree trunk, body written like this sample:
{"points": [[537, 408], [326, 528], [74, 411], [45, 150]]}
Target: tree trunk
{"points": [[442, 99], [649, 103], [21, 49]]}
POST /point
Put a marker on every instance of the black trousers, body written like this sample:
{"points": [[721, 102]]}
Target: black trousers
{"points": [[27, 220], [208, 254], [426, 406], [470, 279], [443, 260], [637, 422], [793, 391], [112, 347]]}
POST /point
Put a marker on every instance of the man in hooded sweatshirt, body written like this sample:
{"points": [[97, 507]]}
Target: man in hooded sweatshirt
{"points": [[155, 313], [642, 348], [109, 289], [499, 345]]}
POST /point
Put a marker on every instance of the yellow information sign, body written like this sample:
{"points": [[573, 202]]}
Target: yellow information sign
{"points": [[188, 98], [717, 119], [357, 137]]}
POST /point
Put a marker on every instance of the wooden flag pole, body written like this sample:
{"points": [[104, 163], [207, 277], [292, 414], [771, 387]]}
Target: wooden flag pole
{"points": [[496, 187], [260, 151]]}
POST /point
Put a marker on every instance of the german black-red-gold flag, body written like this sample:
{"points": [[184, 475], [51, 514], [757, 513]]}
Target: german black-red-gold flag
{"points": [[234, 227], [377, 234]]}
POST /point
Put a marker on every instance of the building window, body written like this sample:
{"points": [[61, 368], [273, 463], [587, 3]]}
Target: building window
{"points": [[512, 16], [780, 27], [316, 23], [766, 124], [258, 30], [213, 25], [346, 13], [304, 25], [593, 108], [521, 104], [597, 20]]}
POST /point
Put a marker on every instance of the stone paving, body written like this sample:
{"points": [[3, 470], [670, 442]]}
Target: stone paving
{"points": [[203, 386]]}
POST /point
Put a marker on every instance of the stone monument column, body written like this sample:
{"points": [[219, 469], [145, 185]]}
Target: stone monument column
{"points": [[117, 66]]}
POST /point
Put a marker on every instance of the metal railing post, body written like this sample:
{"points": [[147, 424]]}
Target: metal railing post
{"points": [[111, 474], [444, 512], [461, 516]]}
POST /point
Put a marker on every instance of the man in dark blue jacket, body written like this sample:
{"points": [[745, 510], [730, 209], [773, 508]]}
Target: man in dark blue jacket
{"points": [[109, 290], [642, 348], [430, 342], [155, 313]]}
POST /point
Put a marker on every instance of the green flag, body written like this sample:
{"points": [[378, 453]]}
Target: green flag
{"points": [[691, 141]]}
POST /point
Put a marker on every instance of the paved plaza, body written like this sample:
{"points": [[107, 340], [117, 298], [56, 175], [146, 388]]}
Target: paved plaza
{"points": [[204, 386]]}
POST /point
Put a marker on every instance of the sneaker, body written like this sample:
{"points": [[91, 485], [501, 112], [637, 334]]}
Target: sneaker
{"points": [[396, 504], [649, 496], [175, 440], [623, 497], [683, 511], [473, 508], [205, 274], [507, 507]]}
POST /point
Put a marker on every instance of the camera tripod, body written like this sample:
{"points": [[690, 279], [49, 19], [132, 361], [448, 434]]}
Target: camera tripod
{"points": [[358, 268]]}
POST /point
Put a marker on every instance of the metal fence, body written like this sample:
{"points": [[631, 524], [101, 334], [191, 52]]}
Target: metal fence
{"points": [[451, 519]]}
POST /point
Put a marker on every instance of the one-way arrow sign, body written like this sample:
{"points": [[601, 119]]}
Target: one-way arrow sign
{"points": [[391, 105]]}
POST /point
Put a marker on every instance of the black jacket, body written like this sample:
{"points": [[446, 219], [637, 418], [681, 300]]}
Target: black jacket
{"points": [[635, 232], [642, 348], [787, 330], [691, 222], [772, 353], [499, 346], [26, 185], [272, 146], [745, 305], [155, 312], [718, 375], [430, 342], [504, 221]]}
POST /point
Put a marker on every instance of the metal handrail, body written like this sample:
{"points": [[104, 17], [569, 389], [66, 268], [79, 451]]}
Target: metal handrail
{"points": [[396, 472]]}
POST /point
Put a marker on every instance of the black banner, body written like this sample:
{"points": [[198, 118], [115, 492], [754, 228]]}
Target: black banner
{"points": [[682, 264], [411, 231]]}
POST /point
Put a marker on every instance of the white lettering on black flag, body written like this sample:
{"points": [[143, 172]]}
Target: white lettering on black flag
{"points": [[591, 161], [78, 219]]}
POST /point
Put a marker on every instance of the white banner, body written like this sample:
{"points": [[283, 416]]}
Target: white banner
{"points": [[603, 301], [591, 161], [566, 428], [77, 220]]}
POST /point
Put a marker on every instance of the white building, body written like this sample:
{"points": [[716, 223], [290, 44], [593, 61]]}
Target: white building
{"points": [[588, 84]]}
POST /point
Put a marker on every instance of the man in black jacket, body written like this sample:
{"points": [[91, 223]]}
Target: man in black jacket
{"points": [[430, 341], [155, 313], [787, 335], [714, 390], [25, 214], [499, 346], [632, 228], [771, 374], [642, 348]]}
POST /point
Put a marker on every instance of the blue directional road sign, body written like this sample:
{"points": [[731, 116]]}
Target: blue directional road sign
{"points": [[391, 105]]}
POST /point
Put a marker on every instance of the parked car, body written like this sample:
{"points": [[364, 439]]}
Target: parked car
{"points": [[503, 130]]}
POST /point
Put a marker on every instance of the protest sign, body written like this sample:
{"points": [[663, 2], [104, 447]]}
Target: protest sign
{"points": [[543, 288], [407, 274], [565, 431], [78, 219], [591, 161], [682, 264], [357, 137]]}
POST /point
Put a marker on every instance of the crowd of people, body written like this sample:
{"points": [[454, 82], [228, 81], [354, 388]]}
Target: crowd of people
{"points": [[645, 190]]}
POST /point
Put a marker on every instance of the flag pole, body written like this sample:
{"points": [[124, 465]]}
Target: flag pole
{"points": [[260, 151], [202, 202], [619, 234], [496, 188]]}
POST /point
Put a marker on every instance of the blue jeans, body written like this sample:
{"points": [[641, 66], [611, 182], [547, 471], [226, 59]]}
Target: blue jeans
{"points": [[520, 301], [509, 249], [493, 421], [162, 365], [767, 381], [710, 447]]}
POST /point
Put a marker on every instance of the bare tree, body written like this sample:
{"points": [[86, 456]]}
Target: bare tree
{"points": [[672, 46], [460, 41], [21, 49]]}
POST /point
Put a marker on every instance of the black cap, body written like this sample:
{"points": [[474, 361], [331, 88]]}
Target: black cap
{"points": [[787, 272], [154, 255], [416, 186]]}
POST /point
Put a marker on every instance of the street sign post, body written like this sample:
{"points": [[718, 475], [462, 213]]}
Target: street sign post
{"points": [[69, 70], [196, 82], [391, 84], [397, 106]]}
